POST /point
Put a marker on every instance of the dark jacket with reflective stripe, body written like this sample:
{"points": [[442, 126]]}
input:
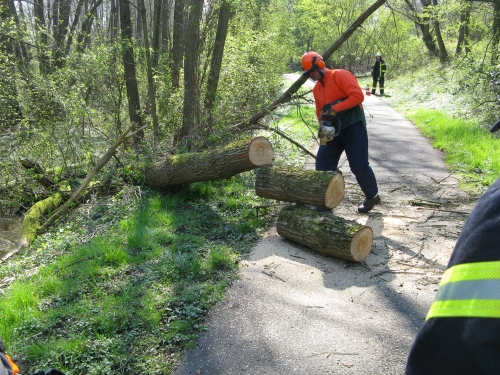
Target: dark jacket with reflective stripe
{"points": [[465, 345]]}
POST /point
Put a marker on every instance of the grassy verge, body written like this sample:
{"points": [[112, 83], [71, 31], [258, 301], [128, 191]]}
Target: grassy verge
{"points": [[470, 151], [123, 285], [443, 114]]}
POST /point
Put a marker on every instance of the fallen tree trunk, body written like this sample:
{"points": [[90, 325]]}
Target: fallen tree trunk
{"points": [[299, 185], [325, 233], [211, 165]]}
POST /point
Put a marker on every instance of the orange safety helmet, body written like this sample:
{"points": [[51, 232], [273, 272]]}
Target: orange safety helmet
{"points": [[311, 60]]}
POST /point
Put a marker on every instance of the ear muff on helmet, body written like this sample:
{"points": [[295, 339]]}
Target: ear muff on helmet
{"points": [[319, 62]]}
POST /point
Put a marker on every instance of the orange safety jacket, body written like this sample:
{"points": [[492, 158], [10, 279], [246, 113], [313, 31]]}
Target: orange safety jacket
{"points": [[340, 84]]}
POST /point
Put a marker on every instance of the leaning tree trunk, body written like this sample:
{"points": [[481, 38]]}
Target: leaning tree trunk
{"points": [[299, 185], [325, 233], [211, 165]]}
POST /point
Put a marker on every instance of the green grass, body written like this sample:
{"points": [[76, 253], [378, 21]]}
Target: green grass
{"points": [[130, 300], [470, 152]]}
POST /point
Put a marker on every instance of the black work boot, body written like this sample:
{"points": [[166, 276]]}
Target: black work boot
{"points": [[373, 92], [368, 204]]}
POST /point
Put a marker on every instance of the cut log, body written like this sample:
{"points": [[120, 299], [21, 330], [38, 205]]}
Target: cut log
{"points": [[325, 233], [211, 165], [299, 185]]}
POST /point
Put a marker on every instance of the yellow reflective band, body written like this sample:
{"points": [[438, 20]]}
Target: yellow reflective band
{"points": [[465, 309], [471, 271]]}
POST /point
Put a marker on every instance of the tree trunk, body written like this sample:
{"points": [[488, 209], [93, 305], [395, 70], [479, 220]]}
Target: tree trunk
{"points": [[165, 26], [134, 107], [41, 30], [463, 31], [216, 63], [155, 42], [10, 109], [443, 54], [191, 103], [83, 39], [422, 21], [177, 45], [496, 32], [298, 185], [60, 32], [149, 67], [212, 165], [325, 233], [76, 21]]}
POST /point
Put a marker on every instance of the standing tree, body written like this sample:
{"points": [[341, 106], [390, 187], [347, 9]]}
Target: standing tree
{"points": [[191, 105], [134, 107]]}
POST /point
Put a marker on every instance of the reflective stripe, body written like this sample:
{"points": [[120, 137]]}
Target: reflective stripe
{"points": [[472, 271], [468, 290]]}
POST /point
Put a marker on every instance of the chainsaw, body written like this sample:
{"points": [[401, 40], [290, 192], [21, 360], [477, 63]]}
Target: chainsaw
{"points": [[329, 124]]}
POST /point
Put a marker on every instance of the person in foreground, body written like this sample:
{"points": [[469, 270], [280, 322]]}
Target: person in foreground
{"points": [[338, 99], [461, 334]]}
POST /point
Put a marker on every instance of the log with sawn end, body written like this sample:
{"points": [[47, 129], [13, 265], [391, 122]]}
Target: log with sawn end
{"points": [[325, 233], [220, 164], [300, 185]]}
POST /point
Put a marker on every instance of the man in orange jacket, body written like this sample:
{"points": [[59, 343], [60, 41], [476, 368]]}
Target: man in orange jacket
{"points": [[338, 91]]}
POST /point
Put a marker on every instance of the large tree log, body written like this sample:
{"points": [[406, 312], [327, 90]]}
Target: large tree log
{"points": [[299, 185], [211, 165], [325, 233]]}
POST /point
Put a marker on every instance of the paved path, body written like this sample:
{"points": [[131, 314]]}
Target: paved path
{"points": [[297, 312]]}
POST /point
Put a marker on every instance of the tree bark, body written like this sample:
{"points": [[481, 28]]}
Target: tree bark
{"points": [[134, 107], [155, 42], [216, 62], [443, 54], [298, 185], [41, 30], [191, 103], [211, 165], [177, 44], [325, 233], [288, 95], [463, 32], [149, 67], [422, 22], [496, 32]]}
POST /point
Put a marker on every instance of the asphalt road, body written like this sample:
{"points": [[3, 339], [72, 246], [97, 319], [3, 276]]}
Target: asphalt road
{"points": [[294, 311]]}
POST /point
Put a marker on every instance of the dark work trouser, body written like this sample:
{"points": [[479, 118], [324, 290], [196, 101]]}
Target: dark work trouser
{"points": [[354, 141], [380, 81]]}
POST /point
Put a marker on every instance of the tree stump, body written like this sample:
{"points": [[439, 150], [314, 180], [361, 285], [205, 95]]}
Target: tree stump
{"points": [[325, 233], [211, 165], [299, 185]]}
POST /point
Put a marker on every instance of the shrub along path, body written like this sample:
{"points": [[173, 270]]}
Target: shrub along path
{"points": [[297, 312]]}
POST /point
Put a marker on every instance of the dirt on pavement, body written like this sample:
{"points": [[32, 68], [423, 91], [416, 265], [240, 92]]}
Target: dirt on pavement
{"points": [[294, 311]]}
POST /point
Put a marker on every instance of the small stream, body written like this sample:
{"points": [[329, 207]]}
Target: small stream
{"points": [[10, 234]]}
